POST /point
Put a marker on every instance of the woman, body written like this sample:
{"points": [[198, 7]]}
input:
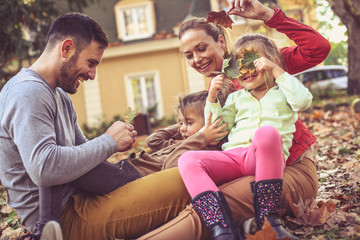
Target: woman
{"points": [[204, 47]]}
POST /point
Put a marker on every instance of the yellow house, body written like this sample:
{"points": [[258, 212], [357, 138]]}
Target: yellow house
{"points": [[143, 67]]}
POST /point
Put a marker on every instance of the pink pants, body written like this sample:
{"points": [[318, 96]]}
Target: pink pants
{"points": [[203, 170]]}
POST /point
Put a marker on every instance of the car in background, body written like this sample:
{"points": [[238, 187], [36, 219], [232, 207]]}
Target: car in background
{"points": [[325, 77]]}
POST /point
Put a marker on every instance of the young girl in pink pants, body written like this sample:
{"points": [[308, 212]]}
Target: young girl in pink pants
{"points": [[261, 118]]}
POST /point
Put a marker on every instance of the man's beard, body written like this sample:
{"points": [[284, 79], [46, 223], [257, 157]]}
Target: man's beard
{"points": [[68, 76]]}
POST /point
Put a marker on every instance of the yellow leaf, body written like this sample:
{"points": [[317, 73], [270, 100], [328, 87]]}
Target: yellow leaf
{"points": [[266, 233]]}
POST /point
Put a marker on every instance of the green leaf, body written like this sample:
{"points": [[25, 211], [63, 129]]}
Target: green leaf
{"points": [[343, 151], [10, 217], [231, 66], [130, 115]]}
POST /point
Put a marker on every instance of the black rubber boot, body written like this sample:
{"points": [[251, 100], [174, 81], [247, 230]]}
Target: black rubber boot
{"points": [[215, 212], [267, 202]]}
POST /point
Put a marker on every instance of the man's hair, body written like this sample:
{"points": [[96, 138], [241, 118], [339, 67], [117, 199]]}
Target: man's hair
{"points": [[81, 28]]}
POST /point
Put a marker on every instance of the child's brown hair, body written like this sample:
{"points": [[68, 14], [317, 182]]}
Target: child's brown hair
{"points": [[198, 99]]}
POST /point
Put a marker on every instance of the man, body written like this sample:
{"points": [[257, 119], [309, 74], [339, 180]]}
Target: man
{"points": [[41, 144]]}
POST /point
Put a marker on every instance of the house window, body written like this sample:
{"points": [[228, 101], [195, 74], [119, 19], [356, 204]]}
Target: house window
{"points": [[135, 21], [144, 93]]}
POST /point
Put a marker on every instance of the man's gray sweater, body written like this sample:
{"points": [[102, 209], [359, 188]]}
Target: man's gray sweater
{"points": [[41, 143]]}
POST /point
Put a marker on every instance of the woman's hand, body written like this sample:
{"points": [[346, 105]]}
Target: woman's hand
{"points": [[215, 86], [214, 132], [252, 9]]}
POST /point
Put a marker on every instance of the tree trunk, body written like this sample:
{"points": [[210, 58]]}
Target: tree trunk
{"points": [[349, 13]]}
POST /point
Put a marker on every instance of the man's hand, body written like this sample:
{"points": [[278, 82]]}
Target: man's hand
{"points": [[124, 135], [214, 132]]}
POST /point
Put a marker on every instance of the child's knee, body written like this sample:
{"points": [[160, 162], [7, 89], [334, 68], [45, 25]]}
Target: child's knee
{"points": [[186, 160], [267, 135], [268, 131]]}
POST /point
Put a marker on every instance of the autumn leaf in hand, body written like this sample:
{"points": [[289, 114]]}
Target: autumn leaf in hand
{"points": [[235, 67], [231, 66], [130, 115], [221, 18], [248, 56]]}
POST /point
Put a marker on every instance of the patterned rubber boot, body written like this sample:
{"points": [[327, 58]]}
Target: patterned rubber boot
{"points": [[267, 202], [215, 212]]}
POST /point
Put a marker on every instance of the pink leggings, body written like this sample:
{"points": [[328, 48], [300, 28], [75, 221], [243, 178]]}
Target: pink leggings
{"points": [[203, 170]]}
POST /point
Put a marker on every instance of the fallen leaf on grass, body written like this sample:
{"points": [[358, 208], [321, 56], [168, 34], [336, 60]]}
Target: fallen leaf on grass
{"points": [[351, 165], [3, 226], [346, 136], [10, 233], [352, 231], [334, 221], [320, 237], [330, 205], [348, 207], [6, 209], [316, 115], [309, 213], [266, 233]]}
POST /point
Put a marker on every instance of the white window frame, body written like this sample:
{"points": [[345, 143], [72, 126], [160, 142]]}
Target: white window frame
{"points": [[120, 20], [142, 76], [93, 104]]}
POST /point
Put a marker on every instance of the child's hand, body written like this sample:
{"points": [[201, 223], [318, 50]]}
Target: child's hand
{"points": [[263, 64], [215, 86], [213, 132]]}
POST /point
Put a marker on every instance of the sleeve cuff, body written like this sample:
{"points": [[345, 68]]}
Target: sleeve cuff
{"points": [[215, 108], [201, 137], [111, 142], [212, 105], [283, 77], [276, 19]]}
